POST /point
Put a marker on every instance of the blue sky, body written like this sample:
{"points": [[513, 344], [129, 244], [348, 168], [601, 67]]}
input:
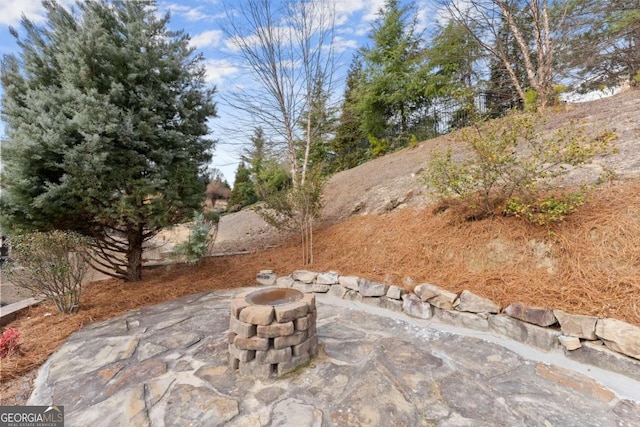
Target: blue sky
{"points": [[202, 20]]}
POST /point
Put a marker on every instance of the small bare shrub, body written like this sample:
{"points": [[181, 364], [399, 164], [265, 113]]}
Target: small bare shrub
{"points": [[52, 263]]}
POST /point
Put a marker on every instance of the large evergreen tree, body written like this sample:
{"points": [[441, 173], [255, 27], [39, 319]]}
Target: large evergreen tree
{"points": [[105, 112], [392, 87], [452, 57], [243, 192], [349, 147]]}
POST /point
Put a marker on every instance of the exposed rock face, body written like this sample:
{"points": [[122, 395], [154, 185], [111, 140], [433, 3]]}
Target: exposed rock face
{"points": [[537, 316], [468, 301], [619, 336]]}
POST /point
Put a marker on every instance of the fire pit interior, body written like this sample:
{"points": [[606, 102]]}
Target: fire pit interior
{"points": [[272, 332], [272, 296]]}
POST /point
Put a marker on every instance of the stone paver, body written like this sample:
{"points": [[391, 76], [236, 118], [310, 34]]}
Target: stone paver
{"points": [[167, 365]]}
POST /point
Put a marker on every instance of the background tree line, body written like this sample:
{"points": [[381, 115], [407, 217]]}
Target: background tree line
{"points": [[106, 109], [484, 58]]}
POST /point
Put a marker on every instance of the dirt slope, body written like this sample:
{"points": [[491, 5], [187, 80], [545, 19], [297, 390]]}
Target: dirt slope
{"points": [[394, 181], [380, 184]]}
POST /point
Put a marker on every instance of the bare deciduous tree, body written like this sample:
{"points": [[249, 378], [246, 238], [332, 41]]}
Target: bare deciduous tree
{"points": [[484, 19], [288, 50]]}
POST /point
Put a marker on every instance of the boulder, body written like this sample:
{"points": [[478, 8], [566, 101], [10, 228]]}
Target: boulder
{"points": [[372, 289], [304, 276], [462, 319], [619, 336], [545, 339], [311, 287], [470, 302], [414, 306], [435, 296], [338, 291], [570, 343], [327, 278], [285, 282], [395, 292], [349, 282], [537, 316], [266, 277], [577, 325]]}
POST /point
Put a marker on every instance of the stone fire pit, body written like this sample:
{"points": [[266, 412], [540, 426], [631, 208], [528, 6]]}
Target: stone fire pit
{"points": [[272, 331]]}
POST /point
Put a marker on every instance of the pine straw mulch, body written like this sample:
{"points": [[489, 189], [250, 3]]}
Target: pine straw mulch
{"points": [[589, 264]]}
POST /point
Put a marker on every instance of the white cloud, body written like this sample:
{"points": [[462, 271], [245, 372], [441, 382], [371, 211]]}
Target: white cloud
{"points": [[218, 70], [427, 17], [11, 10], [189, 13], [374, 8], [206, 39], [345, 8], [342, 45]]}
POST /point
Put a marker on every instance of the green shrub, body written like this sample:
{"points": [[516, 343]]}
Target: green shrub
{"points": [[202, 235], [379, 146], [530, 100], [548, 209], [52, 263], [509, 165]]}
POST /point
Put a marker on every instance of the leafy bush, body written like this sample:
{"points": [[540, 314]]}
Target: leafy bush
{"points": [[52, 263], [9, 341], [548, 209], [379, 146], [530, 100], [202, 235], [510, 165]]}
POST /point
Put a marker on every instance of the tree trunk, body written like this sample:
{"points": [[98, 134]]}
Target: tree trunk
{"points": [[134, 252]]}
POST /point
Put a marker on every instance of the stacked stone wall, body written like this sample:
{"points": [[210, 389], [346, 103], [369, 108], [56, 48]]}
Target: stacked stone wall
{"points": [[607, 343]]}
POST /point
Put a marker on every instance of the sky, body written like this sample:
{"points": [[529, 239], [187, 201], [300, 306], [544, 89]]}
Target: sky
{"points": [[203, 21]]}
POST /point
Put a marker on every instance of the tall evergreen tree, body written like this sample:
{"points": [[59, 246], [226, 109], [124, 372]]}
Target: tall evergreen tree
{"points": [[265, 168], [391, 87], [243, 192], [106, 119], [349, 147], [452, 57]]}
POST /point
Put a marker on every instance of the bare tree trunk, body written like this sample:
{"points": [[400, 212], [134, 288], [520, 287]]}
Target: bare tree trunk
{"points": [[478, 17], [135, 239], [288, 63]]}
